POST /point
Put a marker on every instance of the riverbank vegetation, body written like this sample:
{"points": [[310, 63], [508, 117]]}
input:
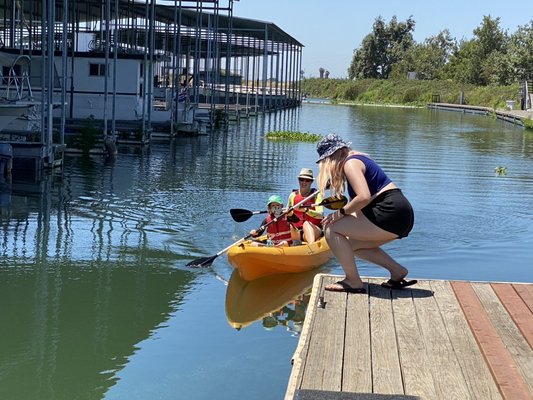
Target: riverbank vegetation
{"points": [[409, 92], [389, 67]]}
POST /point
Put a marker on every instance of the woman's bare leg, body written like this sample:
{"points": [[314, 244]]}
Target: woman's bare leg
{"points": [[350, 234], [311, 232], [379, 257], [295, 234]]}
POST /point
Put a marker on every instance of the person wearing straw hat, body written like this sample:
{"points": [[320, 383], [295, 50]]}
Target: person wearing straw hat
{"points": [[376, 214], [308, 227]]}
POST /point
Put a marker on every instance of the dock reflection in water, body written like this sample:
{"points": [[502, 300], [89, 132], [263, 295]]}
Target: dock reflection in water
{"points": [[76, 299], [277, 299]]}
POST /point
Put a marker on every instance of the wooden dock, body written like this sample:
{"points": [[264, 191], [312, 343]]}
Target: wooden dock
{"points": [[435, 340], [513, 116]]}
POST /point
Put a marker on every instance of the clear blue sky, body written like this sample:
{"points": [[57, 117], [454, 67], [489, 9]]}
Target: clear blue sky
{"points": [[331, 29]]}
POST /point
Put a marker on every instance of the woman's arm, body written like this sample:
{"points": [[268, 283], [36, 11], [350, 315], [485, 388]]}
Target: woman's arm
{"points": [[317, 211]]}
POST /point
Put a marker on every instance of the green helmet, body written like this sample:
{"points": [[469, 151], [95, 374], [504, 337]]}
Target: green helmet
{"points": [[274, 199]]}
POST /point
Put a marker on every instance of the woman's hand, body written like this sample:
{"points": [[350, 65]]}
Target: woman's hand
{"points": [[328, 219]]}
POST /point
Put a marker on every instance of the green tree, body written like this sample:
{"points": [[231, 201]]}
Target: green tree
{"points": [[321, 72], [382, 49], [472, 63], [427, 59], [497, 69], [521, 51]]}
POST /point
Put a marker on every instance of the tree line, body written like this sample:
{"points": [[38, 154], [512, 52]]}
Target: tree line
{"points": [[491, 57]]}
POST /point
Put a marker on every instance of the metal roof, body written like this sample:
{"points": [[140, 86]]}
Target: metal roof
{"points": [[191, 16]]}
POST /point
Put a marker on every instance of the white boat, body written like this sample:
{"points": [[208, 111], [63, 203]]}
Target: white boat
{"points": [[10, 112], [15, 91], [126, 100]]}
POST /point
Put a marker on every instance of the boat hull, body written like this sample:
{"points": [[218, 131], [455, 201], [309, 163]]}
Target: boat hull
{"points": [[254, 262]]}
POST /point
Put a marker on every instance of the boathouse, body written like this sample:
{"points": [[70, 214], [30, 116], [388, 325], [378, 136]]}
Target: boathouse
{"points": [[143, 67]]}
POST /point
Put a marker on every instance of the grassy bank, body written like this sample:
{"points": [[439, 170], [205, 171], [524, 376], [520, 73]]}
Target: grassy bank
{"points": [[408, 92]]}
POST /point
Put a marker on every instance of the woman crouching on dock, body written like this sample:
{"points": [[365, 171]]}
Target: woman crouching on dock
{"points": [[376, 214]]}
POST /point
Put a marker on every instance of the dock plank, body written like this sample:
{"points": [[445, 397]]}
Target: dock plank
{"points": [[449, 380], [387, 377], [323, 369], [478, 377], [415, 362], [517, 309], [507, 330], [299, 358], [357, 374], [526, 293], [502, 366]]}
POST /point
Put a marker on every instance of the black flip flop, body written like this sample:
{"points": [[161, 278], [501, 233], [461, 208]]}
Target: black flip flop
{"points": [[392, 284], [346, 288]]}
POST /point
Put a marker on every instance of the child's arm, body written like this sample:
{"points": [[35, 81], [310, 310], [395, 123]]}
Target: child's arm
{"points": [[258, 232]]}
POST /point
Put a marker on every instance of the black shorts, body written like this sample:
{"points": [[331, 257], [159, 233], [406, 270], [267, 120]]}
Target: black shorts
{"points": [[392, 212]]}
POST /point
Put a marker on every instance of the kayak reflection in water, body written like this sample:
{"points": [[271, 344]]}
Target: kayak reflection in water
{"points": [[291, 316]]}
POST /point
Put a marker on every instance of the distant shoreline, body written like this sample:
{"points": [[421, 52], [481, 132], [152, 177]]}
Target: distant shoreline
{"points": [[517, 117]]}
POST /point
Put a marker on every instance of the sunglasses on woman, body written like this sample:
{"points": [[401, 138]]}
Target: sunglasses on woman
{"points": [[304, 180]]}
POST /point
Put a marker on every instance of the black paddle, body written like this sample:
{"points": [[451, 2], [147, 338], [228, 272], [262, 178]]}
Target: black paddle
{"points": [[241, 215], [332, 203], [207, 261]]}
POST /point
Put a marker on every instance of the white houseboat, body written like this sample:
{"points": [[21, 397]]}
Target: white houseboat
{"points": [[126, 100]]}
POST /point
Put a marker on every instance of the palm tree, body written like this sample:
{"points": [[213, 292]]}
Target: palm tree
{"points": [[321, 71]]}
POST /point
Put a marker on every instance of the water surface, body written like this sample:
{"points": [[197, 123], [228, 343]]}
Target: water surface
{"points": [[95, 298]]}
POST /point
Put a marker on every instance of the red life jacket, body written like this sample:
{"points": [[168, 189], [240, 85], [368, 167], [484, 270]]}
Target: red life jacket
{"points": [[303, 216], [279, 231]]}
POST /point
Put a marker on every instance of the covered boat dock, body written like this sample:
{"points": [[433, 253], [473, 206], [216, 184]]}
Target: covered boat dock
{"points": [[197, 65]]}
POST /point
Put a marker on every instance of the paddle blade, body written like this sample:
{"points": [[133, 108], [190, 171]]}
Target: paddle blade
{"points": [[240, 215], [334, 203], [201, 262]]}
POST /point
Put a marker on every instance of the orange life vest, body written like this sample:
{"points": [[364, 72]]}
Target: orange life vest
{"points": [[279, 231], [304, 216]]}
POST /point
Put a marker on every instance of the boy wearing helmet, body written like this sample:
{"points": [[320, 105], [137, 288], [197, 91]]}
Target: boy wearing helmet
{"points": [[278, 232]]}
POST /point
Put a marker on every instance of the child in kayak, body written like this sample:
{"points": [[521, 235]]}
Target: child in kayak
{"points": [[278, 232]]}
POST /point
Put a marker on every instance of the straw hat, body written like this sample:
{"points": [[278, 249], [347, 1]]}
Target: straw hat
{"points": [[306, 173]]}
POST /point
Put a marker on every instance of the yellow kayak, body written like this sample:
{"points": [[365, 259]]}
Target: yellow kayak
{"points": [[249, 301], [253, 262]]}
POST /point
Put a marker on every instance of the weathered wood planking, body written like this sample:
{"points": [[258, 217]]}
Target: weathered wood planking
{"points": [[441, 359], [503, 369], [414, 360], [515, 343], [357, 353], [435, 340], [323, 365], [470, 360], [386, 373]]}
